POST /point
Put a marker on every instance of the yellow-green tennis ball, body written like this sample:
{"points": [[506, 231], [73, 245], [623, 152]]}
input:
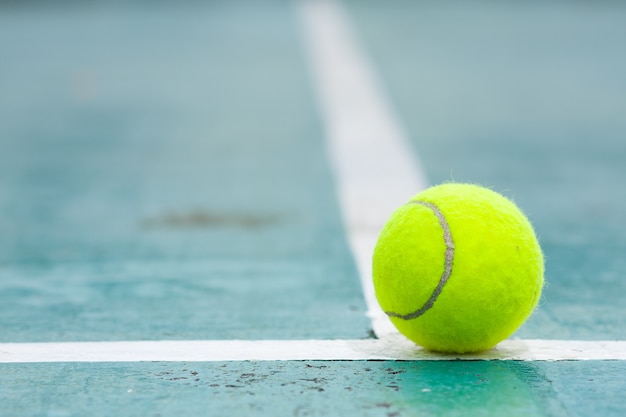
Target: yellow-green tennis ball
{"points": [[458, 268]]}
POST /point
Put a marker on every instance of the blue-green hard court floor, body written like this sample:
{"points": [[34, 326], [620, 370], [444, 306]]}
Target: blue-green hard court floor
{"points": [[164, 175], [305, 388]]}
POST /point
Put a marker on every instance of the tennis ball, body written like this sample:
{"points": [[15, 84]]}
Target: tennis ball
{"points": [[458, 268]]}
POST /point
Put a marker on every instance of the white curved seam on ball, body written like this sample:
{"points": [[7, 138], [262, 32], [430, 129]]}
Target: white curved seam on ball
{"points": [[449, 259]]}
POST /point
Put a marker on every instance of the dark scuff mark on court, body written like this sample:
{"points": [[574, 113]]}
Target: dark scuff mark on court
{"points": [[199, 219]]}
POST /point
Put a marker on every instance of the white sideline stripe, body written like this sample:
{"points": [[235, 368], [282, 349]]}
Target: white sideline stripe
{"points": [[284, 350], [375, 169]]}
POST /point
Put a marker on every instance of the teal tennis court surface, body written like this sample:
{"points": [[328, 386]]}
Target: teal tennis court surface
{"points": [[190, 192]]}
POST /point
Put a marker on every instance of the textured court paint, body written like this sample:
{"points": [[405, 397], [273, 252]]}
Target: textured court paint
{"points": [[528, 98], [163, 176], [311, 388]]}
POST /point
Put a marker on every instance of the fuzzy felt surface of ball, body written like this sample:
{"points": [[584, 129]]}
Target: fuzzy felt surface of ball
{"points": [[458, 268]]}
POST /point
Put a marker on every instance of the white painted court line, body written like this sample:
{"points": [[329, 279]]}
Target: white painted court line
{"points": [[375, 169], [284, 350]]}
